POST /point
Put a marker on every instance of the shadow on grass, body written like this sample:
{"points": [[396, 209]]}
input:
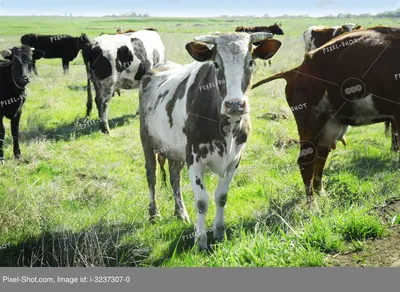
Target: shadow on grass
{"points": [[97, 246], [77, 87], [368, 166], [272, 218], [73, 130]]}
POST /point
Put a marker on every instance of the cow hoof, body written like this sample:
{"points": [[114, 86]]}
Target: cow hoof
{"points": [[2, 161], [202, 242], [105, 131], [219, 233], [18, 156], [183, 216], [154, 218]]}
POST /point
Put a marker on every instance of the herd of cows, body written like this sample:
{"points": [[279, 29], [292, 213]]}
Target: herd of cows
{"points": [[347, 79]]}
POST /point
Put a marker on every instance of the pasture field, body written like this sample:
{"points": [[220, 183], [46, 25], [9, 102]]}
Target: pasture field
{"points": [[80, 198]]}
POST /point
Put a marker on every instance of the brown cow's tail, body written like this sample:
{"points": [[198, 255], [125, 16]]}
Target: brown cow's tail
{"points": [[282, 75]]}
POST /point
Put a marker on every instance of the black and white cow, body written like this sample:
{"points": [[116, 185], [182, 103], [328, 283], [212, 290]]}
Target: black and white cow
{"points": [[199, 114], [53, 47], [117, 62], [13, 79]]}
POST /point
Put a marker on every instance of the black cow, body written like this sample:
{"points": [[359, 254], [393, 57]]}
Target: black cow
{"points": [[13, 79], [54, 46]]}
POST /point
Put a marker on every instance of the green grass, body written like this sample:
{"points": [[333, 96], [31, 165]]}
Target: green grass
{"points": [[80, 198]]}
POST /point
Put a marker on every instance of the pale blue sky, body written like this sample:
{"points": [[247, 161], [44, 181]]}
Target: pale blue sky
{"points": [[191, 8]]}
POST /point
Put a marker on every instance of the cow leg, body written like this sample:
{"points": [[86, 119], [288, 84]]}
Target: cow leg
{"points": [[395, 135], [2, 134], [196, 176], [150, 164], [322, 156], [15, 135], [65, 64], [221, 197], [107, 92], [89, 103], [161, 161], [175, 168], [306, 165], [33, 67]]}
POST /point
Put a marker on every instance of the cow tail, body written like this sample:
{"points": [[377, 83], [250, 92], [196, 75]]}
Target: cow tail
{"points": [[282, 75]]}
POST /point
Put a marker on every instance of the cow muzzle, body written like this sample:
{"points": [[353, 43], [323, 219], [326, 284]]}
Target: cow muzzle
{"points": [[23, 81], [235, 107]]}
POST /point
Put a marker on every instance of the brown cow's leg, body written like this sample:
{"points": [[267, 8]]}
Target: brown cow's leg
{"points": [[322, 156], [306, 163]]}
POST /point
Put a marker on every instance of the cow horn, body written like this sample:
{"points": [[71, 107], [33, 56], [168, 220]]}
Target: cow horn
{"points": [[260, 36], [208, 39]]}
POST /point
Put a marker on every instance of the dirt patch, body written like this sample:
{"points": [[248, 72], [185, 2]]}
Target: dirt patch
{"points": [[383, 252], [286, 143], [273, 116], [390, 210]]}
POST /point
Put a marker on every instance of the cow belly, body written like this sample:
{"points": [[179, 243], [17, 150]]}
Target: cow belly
{"points": [[170, 141]]}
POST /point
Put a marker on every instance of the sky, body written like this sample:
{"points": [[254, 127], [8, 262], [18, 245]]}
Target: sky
{"points": [[193, 8]]}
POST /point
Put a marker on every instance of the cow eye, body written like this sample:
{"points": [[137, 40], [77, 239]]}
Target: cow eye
{"points": [[216, 65], [252, 63]]}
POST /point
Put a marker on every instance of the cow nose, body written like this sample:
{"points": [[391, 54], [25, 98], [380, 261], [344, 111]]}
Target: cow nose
{"points": [[235, 105], [24, 79]]}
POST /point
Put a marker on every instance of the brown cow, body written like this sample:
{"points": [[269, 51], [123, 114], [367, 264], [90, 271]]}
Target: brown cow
{"points": [[355, 85]]}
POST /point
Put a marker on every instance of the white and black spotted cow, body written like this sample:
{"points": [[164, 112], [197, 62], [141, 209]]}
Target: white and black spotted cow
{"points": [[199, 114], [316, 36], [117, 62]]}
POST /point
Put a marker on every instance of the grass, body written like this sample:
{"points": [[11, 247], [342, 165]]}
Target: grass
{"points": [[80, 198]]}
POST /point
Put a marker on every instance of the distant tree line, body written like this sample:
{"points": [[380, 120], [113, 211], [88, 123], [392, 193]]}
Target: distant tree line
{"points": [[129, 14]]}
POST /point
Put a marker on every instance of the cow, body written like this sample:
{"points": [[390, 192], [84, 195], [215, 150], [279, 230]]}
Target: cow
{"points": [[199, 115], [115, 62], [53, 47], [354, 86], [275, 29], [316, 36], [120, 31], [13, 80]]}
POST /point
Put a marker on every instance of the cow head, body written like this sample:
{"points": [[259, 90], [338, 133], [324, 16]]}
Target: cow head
{"points": [[348, 27], [276, 29], [20, 58], [232, 56], [83, 40]]}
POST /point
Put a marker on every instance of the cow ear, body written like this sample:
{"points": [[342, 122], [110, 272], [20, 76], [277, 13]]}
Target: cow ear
{"points": [[6, 54], [267, 49], [199, 51], [357, 27]]}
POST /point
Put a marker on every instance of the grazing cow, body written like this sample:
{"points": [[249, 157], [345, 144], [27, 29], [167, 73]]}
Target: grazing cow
{"points": [[275, 29], [13, 79], [316, 36], [120, 31], [199, 114], [117, 62], [354, 85]]}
